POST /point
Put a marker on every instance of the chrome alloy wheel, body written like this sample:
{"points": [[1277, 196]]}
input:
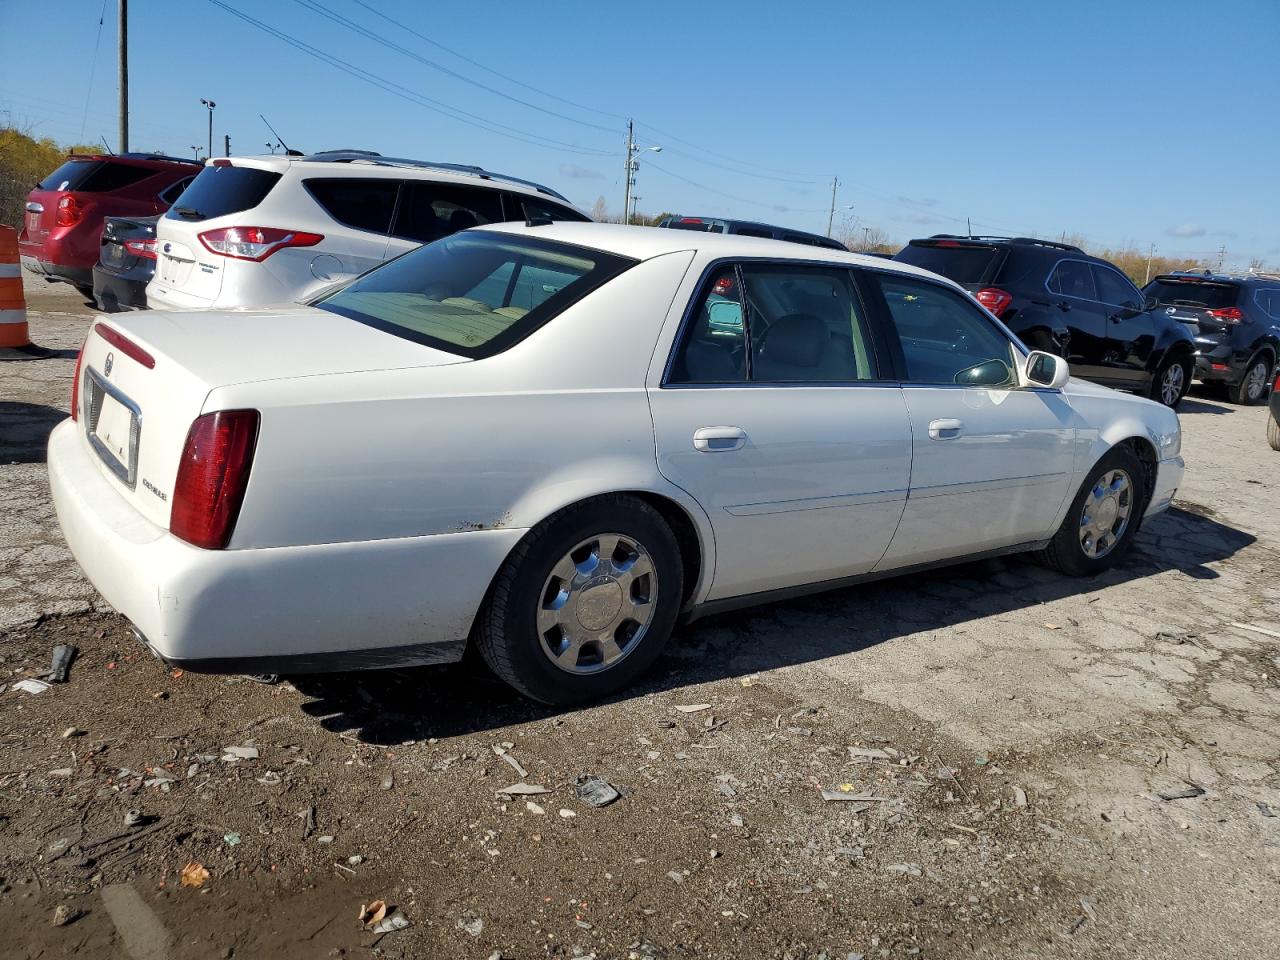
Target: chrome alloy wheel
{"points": [[1105, 516], [1172, 385], [597, 603], [1256, 381]]}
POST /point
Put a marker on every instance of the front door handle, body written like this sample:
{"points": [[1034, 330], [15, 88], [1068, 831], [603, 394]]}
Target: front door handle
{"points": [[719, 439], [945, 429]]}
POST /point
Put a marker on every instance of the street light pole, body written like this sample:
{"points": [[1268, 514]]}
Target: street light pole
{"points": [[632, 166], [210, 104]]}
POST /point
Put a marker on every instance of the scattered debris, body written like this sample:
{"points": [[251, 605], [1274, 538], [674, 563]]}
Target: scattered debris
{"points": [[60, 665], [595, 791], [62, 915], [70, 732], [1190, 792], [1266, 810], [846, 791], [232, 754], [1275, 635], [534, 808], [1019, 797], [133, 818], [388, 781], [194, 874], [692, 707], [397, 922], [373, 913], [231, 839], [868, 753], [676, 875], [910, 869], [501, 750], [566, 813], [522, 790], [31, 686], [473, 926]]}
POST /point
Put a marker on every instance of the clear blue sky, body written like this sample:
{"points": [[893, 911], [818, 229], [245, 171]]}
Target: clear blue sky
{"points": [[1125, 122]]}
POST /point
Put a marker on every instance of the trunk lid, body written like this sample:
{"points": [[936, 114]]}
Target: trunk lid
{"points": [[145, 378], [116, 231], [1193, 301]]}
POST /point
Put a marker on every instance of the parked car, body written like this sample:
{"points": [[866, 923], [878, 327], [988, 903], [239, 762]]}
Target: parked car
{"points": [[126, 263], [749, 228], [1273, 421], [423, 459], [1057, 298], [1236, 324], [254, 231], [66, 210]]}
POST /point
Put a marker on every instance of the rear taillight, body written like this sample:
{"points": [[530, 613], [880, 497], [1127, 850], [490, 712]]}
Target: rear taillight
{"points": [[141, 248], [212, 477], [1228, 315], [125, 345], [255, 243], [75, 387], [994, 299], [70, 211]]}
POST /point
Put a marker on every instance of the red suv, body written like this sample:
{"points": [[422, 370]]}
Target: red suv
{"points": [[62, 232]]}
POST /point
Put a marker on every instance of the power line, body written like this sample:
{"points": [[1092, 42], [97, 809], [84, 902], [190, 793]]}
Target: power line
{"points": [[746, 163], [730, 196], [405, 93], [324, 11]]}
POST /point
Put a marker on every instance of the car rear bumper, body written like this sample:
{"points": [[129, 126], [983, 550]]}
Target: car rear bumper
{"points": [[1168, 478], [276, 610], [124, 291], [80, 276]]}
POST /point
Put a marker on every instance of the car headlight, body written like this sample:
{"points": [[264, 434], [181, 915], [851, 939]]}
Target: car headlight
{"points": [[1169, 444]]}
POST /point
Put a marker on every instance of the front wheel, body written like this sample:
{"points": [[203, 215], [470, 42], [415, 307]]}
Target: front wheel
{"points": [[1104, 516], [1273, 433], [1172, 381], [1252, 388], [585, 603]]}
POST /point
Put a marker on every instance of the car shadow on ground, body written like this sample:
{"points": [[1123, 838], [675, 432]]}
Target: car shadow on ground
{"points": [[394, 706], [25, 429]]}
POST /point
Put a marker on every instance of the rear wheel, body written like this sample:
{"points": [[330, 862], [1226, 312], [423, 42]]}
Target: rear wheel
{"points": [[1172, 381], [585, 603], [1273, 433], [1252, 388], [1104, 516]]}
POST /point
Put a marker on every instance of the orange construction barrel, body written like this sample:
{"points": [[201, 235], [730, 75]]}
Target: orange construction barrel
{"points": [[15, 342]]}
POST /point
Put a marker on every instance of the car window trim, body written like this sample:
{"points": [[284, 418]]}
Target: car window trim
{"points": [[1106, 266], [714, 266]]}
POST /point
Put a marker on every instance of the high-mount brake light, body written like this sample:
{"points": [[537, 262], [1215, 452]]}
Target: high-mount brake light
{"points": [[255, 243], [213, 475], [125, 345], [222, 162]]}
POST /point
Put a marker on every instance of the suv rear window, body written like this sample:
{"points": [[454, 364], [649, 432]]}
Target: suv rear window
{"points": [[218, 191], [475, 294], [965, 263], [94, 176], [1192, 293]]}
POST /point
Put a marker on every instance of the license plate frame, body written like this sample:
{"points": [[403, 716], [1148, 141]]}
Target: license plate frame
{"points": [[113, 426]]}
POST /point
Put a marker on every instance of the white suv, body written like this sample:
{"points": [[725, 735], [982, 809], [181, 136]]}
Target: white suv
{"points": [[253, 231]]}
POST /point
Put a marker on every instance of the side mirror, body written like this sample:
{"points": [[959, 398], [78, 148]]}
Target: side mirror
{"points": [[1150, 303], [1045, 370]]}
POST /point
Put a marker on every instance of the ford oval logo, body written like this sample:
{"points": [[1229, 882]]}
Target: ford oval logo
{"points": [[109, 363], [168, 247], [1171, 311]]}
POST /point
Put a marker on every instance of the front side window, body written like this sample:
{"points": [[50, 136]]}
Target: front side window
{"points": [[475, 294], [1115, 289], [945, 338], [429, 211], [1073, 278], [776, 323]]}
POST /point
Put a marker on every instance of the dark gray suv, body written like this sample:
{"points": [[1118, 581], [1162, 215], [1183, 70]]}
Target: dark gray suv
{"points": [[1236, 324]]}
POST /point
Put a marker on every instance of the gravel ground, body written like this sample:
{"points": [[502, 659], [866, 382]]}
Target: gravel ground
{"points": [[1015, 735]]}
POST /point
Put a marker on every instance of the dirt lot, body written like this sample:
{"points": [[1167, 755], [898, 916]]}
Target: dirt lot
{"points": [[1018, 737]]}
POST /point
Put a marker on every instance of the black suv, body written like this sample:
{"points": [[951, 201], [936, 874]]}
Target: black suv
{"points": [[1236, 324], [1056, 297], [749, 228]]}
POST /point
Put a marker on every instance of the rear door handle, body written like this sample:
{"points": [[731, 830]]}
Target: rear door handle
{"points": [[945, 429], [719, 439]]}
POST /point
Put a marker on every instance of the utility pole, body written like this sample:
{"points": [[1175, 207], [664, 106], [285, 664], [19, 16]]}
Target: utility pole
{"points": [[1222, 256], [210, 104], [835, 182], [1150, 253], [226, 144], [866, 239], [122, 59], [631, 153]]}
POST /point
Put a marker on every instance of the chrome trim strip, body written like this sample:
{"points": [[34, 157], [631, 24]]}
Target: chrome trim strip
{"points": [[33, 207], [816, 503], [975, 486]]}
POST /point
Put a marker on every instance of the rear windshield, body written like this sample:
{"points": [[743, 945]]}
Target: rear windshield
{"points": [[1191, 293], [964, 263], [702, 226], [475, 293], [94, 176], [218, 191]]}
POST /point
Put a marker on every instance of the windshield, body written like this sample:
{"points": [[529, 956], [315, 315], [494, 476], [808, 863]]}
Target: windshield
{"points": [[963, 263], [1191, 293], [475, 293]]}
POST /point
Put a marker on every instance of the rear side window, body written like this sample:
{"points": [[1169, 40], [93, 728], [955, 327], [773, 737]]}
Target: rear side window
{"points": [[362, 204], [531, 209], [1073, 278], [1189, 293], [218, 191], [475, 294], [965, 263], [429, 211], [70, 175]]}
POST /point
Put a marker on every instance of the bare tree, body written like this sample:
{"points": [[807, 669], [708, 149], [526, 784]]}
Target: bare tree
{"points": [[600, 210]]}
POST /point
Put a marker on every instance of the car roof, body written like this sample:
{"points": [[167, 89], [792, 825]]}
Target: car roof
{"points": [[642, 243], [147, 158]]}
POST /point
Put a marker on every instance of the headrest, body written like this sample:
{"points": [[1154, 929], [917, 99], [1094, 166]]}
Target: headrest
{"points": [[797, 340]]}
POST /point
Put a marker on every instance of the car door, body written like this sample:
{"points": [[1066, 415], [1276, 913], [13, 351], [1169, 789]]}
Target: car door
{"points": [[429, 209], [991, 461], [1074, 293], [775, 414], [1131, 334]]}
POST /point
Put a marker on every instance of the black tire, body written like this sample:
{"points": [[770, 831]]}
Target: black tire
{"points": [[507, 633], [1240, 391], [1158, 393], [1273, 433], [1065, 553]]}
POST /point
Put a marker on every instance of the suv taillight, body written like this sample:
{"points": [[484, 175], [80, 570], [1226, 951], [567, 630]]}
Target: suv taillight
{"points": [[255, 243], [70, 211], [141, 248], [994, 299], [1228, 314], [75, 386], [212, 477]]}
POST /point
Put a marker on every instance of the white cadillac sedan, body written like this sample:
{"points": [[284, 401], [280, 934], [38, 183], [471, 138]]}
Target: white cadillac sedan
{"points": [[554, 440]]}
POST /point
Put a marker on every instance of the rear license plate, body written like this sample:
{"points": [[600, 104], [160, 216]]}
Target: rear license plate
{"points": [[33, 222], [112, 253], [114, 427], [171, 268]]}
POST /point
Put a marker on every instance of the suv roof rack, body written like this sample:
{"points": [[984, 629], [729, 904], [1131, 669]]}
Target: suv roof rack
{"points": [[368, 156], [1030, 240], [153, 156]]}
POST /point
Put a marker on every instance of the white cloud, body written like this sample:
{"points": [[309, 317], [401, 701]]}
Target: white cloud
{"points": [[1186, 230], [575, 172]]}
